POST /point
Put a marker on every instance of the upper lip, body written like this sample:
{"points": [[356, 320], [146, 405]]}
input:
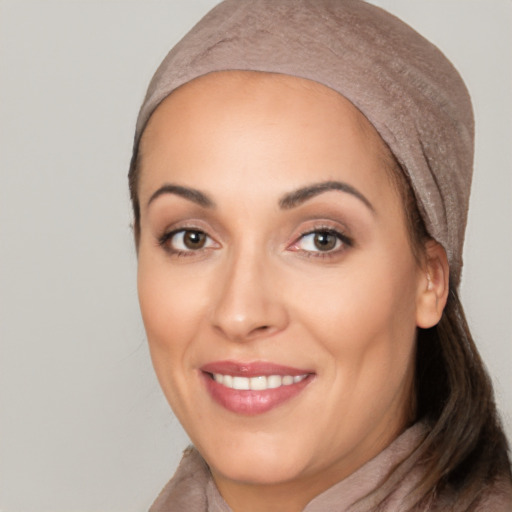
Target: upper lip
{"points": [[251, 369]]}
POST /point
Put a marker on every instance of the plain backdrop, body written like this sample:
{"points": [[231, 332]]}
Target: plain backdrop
{"points": [[83, 424]]}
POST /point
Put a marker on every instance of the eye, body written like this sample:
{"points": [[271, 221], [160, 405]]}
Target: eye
{"points": [[321, 241], [186, 241]]}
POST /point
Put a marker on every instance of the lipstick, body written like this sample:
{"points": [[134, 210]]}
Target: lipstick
{"points": [[253, 388]]}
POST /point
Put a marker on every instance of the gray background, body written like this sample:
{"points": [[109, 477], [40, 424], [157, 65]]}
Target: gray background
{"points": [[83, 424]]}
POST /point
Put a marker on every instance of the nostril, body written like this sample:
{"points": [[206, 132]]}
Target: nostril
{"points": [[259, 330]]}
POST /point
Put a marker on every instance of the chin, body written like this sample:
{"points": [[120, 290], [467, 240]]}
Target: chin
{"points": [[253, 462], [259, 471]]}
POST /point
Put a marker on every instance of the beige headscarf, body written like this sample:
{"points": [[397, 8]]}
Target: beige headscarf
{"points": [[403, 84]]}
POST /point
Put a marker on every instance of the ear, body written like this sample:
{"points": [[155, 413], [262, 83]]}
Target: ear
{"points": [[433, 286]]}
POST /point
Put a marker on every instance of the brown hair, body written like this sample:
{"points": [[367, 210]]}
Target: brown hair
{"points": [[133, 184], [465, 450]]}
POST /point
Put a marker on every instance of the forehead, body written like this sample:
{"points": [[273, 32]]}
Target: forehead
{"points": [[242, 116], [278, 92]]}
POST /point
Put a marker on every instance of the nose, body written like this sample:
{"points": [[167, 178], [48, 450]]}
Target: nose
{"points": [[249, 303]]}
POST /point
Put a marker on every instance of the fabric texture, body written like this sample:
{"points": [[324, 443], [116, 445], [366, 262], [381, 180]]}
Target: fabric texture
{"points": [[403, 84], [383, 484]]}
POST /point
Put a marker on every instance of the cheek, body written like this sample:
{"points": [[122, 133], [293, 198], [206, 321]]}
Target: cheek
{"points": [[171, 307], [365, 320], [357, 302]]}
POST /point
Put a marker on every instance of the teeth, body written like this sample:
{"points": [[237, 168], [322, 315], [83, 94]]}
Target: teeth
{"points": [[241, 383], [274, 381], [259, 383]]}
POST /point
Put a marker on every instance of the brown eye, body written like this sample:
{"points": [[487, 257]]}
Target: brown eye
{"points": [[194, 239], [320, 241], [187, 241], [325, 240]]}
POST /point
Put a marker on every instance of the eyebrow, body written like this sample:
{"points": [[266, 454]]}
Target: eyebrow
{"points": [[288, 201], [186, 192], [299, 196]]}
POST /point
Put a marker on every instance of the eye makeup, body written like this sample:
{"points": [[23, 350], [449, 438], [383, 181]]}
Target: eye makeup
{"points": [[186, 242], [321, 241]]}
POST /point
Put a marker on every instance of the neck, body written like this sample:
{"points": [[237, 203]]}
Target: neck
{"points": [[295, 494], [282, 497]]}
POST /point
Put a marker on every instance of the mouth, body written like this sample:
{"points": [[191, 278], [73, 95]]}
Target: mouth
{"points": [[253, 388], [258, 383]]}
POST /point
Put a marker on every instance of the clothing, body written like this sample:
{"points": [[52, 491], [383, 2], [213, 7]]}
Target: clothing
{"points": [[386, 480], [403, 84]]}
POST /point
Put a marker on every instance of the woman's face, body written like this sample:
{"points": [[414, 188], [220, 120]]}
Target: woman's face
{"points": [[276, 280]]}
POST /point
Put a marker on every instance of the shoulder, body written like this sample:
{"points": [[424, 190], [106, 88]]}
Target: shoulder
{"points": [[187, 488], [497, 497]]}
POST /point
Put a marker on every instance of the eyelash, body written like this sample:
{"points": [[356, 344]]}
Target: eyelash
{"points": [[342, 239], [165, 239]]}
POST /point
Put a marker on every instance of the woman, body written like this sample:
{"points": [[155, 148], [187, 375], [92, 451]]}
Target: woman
{"points": [[300, 181]]}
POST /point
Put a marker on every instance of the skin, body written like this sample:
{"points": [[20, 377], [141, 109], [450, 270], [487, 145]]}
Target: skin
{"points": [[261, 290]]}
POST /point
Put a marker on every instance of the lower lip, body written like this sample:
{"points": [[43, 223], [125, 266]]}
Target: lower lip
{"points": [[249, 402]]}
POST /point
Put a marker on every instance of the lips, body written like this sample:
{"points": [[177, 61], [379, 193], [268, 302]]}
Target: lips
{"points": [[253, 388]]}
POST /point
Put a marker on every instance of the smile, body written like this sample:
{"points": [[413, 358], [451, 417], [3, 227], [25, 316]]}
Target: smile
{"points": [[253, 388], [258, 383]]}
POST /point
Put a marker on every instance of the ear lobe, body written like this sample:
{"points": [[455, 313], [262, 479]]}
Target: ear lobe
{"points": [[433, 286]]}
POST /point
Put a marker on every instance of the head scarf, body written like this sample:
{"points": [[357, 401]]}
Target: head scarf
{"points": [[402, 83]]}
